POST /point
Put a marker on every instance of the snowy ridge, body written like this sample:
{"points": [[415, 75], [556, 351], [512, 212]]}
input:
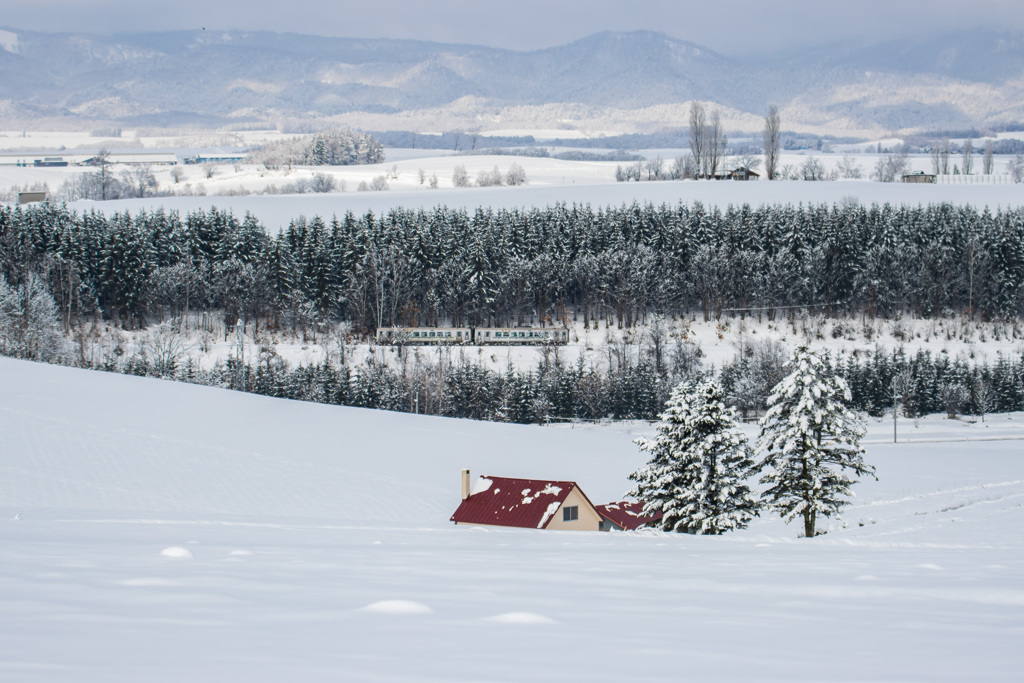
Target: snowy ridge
{"points": [[637, 77]]}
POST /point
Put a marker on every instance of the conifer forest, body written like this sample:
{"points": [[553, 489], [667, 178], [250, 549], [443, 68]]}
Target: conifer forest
{"points": [[626, 267]]}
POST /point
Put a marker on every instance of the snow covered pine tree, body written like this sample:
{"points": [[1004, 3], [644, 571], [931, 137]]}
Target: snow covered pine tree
{"points": [[809, 436], [695, 478]]}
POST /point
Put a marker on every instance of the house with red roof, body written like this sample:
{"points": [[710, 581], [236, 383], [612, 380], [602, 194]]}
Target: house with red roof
{"points": [[526, 503], [625, 515]]}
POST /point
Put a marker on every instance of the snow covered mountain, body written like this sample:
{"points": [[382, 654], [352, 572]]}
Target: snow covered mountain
{"points": [[215, 78]]}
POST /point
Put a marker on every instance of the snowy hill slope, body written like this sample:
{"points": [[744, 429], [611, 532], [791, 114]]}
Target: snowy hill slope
{"points": [[118, 444], [157, 531]]}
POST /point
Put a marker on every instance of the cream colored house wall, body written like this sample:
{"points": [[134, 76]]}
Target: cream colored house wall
{"points": [[588, 520]]}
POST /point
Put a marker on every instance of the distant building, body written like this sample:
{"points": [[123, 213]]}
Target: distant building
{"points": [[743, 173], [527, 504], [50, 161], [919, 177], [216, 158], [31, 197]]}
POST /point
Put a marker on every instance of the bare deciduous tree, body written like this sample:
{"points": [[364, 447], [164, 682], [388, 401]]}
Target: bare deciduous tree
{"points": [[323, 182], [654, 168], [772, 141], [968, 156], [698, 125], [953, 396], [516, 175], [849, 168], [1016, 168], [715, 143], [987, 162]]}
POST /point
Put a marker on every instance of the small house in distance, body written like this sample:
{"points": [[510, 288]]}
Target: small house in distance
{"points": [[526, 503], [741, 173], [31, 197], [744, 173], [919, 177], [624, 516]]}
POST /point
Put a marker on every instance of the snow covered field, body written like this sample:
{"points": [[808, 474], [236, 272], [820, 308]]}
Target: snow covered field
{"points": [[275, 211], [549, 181], [160, 531]]}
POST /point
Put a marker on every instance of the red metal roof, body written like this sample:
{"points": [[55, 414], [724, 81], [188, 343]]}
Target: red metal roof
{"points": [[502, 501], [626, 514]]}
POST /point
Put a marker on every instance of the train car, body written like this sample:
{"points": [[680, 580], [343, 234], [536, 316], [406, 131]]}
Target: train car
{"points": [[424, 335], [520, 336]]}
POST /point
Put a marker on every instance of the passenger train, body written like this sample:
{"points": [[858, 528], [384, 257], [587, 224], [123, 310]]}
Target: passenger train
{"points": [[492, 336]]}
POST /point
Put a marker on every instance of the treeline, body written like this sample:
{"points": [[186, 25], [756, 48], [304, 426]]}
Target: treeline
{"points": [[333, 147], [923, 382], [632, 387], [537, 266]]}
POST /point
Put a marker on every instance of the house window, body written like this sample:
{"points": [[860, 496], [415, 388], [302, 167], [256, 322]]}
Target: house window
{"points": [[570, 513]]}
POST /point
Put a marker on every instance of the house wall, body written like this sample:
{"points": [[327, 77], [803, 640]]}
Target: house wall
{"points": [[588, 520]]}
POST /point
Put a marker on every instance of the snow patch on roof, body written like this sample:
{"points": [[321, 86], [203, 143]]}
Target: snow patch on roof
{"points": [[552, 509], [482, 484]]}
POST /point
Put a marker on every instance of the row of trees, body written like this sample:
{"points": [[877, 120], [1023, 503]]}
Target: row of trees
{"points": [[708, 145], [707, 140], [332, 147], [632, 380], [539, 266], [942, 150], [809, 446]]}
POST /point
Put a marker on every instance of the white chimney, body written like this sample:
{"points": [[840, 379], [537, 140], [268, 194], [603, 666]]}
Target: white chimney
{"points": [[465, 484]]}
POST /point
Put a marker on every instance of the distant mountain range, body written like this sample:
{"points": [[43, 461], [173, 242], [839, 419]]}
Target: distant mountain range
{"points": [[222, 79]]}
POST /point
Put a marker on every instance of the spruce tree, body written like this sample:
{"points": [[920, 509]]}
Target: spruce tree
{"points": [[699, 460], [810, 439]]}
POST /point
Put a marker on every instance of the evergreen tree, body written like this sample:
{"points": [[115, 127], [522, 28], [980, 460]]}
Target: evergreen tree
{"points": [[698, 464], [810, 438]]}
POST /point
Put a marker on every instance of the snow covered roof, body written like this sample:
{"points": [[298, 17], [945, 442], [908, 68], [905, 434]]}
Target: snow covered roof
{"points": [[625, 514], [504, 501]]}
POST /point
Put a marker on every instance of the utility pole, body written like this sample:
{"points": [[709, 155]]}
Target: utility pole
{"points": [[895, 408], [240, 356]]}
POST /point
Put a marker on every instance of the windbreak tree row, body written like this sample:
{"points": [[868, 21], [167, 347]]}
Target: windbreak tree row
{"points": [[516, 267]]}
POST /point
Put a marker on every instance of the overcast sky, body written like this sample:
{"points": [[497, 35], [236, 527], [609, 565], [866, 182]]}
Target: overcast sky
{"points": [[728, 26]]}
